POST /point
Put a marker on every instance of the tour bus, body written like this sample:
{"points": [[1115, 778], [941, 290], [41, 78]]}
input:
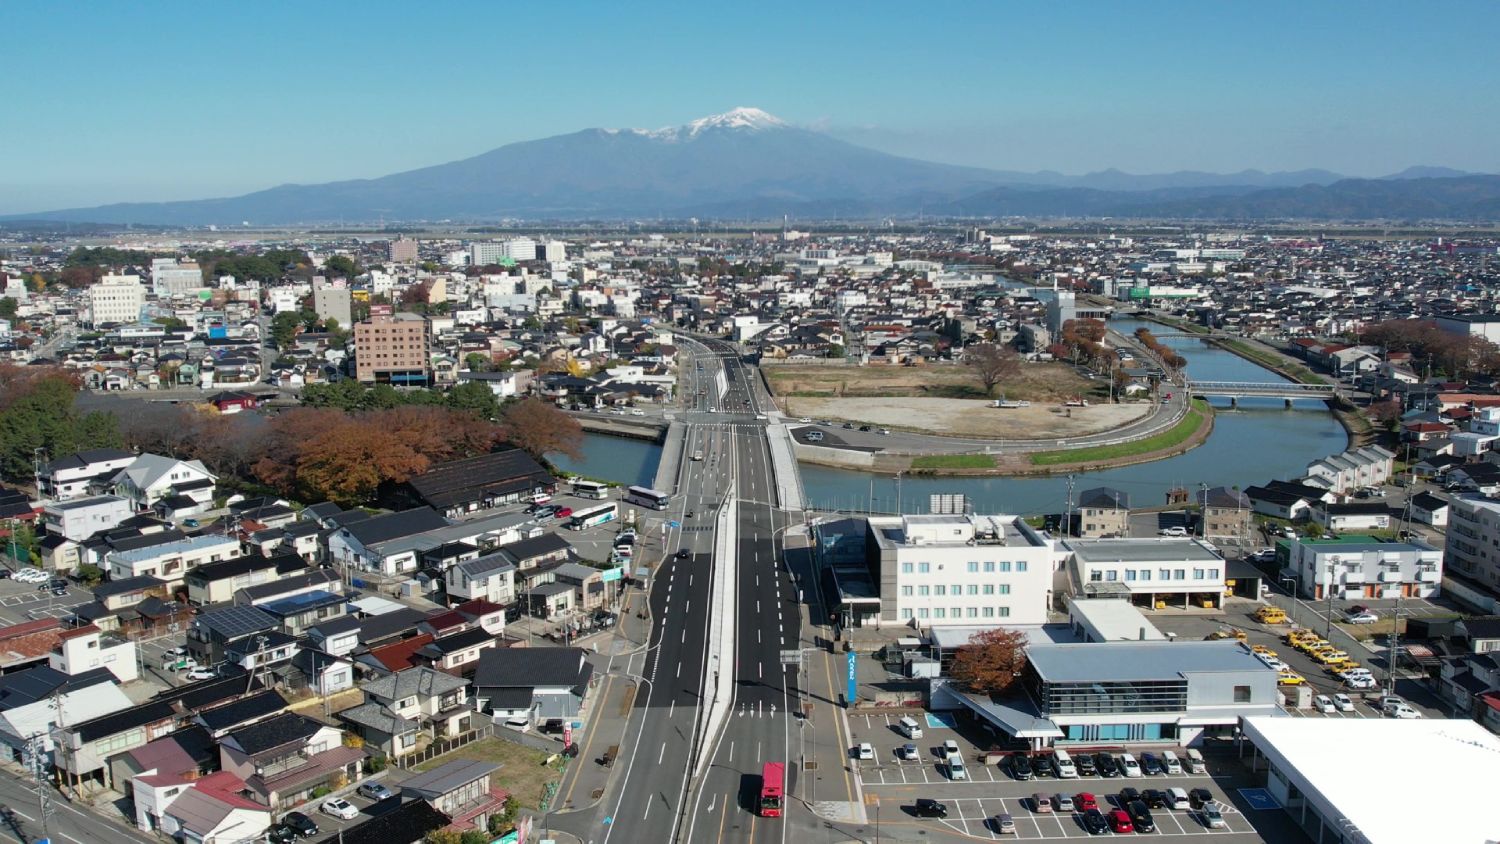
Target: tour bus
{"points": [[772, 789], [593, 516], [647, 497], [591, 489]]}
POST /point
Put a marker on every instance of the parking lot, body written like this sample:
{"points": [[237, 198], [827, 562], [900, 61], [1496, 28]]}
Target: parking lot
{"points": [[27, 602], [989, 791]]}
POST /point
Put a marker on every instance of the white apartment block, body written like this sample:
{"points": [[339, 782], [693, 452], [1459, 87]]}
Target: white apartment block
{"points": [[116, 299], [1352, 469], [1356, 567], [1150, 572], [960, 570], [1474, 538], [171, 561], [81, 518], [169, 278]]}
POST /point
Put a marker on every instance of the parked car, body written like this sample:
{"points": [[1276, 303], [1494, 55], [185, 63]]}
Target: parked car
{"points": [[1107, 764], [1343, 703], [1323, 703], [202, 674], [1064, 802], [908, 753], [1005, 824], [1154, 798], [1043, 766], [563, 512], [1128, 795], [926, 807], [281, 834], [1020, 767], [1365, 617], [1094, 822], [1399, 710], [1151, 764], [1119, 821], [1041, 802], [949, 746], [1084, 762], [375, 790], [300, 823], [1200, 797], [1213, 816], [182, 663], [1172, 531], [1140, 816], [1087, 801], [864, 752], [339, 808]]}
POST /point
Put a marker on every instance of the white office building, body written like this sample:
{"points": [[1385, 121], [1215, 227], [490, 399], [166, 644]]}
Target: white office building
{"points": [[1474, 538], [960, 570], [116, 299], [169, 278], [1150, 572]]}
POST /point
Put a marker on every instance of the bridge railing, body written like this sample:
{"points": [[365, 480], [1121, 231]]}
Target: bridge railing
{"points": [[1280, 388]]}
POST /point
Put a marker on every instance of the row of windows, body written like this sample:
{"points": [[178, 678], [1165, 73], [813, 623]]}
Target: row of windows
{"points": [[956, 612], [986, 567], [957, 589], [1145, 574]]}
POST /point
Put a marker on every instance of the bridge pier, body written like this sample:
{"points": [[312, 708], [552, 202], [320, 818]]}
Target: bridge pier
{"points": [[1288, 404], [1234, 402]]}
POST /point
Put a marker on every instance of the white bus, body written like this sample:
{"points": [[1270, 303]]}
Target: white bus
{"points": [[593, 516], [646, 497], [591, 489]]}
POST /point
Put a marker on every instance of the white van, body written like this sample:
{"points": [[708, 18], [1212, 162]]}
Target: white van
{"points": [[1170, 761], [909, 727], [1065, 768], [1177, 798], [956, 767], [1195, 761]]}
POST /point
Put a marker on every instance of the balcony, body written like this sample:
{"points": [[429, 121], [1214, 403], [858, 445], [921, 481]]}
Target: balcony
{"points": [[1354, 577], [1390, 575], [1431, 575]]}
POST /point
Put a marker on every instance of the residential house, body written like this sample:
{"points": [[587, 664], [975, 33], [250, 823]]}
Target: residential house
{"points": [[217, 583], [214, 632], [247, 710], [151, 478], [35, 701], [590, 591], [83, 649], [285, 758], [1356, 567], [298, 601], [1102, 512], [28, 644], [1358, 467], [1352, 515], [1429, 509], [486, 614], [356, 546], [337, 636], [1286, 500], [458, 653], [320, 672], [538, 551], [80, 518], [540, 683], [211, 809], [461, 789], [81, 472], [491, 577], [169, 562], [1224, 513], [401, 707], [300, 538], [407, 823]]}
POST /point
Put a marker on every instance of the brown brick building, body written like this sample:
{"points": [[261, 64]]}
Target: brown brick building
{"points": [[391, 348]]}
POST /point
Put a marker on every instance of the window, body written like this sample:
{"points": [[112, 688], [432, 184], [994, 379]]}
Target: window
{"points": [[956, 589], [922, 613], [939, 613], [906, 614], [1095, 576], [1197, 574], [1145, 574], [1005, 589], [1241, 694], [906, 568], [1130, 574], [989, 589], [989, 612], [973, 568], [1179, 574], [973, 612], [924, 591], [1213, 574], [1021, 566], [1004, 566], [1166, 574], [989, 566], [1112, 574], [906, 591], [973, 589], [1005, 612], [924, 568], [940, 590]]}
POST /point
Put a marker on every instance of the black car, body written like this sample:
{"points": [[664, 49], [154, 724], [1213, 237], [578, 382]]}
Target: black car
{"points": [[1094, 822], [1151, 764], [1107, 765], [683, 554], [1128, 795], [1199, 796], [1044, 766], [300, 823], [1154, 798], [1084, 762], [281, 834], [1140, 816], [926, 807], [849, 425], [864, 427], [1020, 766]]}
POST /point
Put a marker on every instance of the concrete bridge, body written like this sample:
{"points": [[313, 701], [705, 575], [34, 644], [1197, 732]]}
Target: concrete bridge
{"points": [[1234, 390]]}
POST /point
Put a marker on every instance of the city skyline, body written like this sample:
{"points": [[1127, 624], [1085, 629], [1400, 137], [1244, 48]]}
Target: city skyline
{"points": [[204, 103]]}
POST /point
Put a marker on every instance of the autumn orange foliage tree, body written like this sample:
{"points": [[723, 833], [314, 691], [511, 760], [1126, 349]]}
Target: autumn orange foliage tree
{"points": [[991, 662], [541, 429]]}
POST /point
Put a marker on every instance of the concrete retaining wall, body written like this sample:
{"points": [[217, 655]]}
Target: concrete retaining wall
{"points": [[670, 465]]}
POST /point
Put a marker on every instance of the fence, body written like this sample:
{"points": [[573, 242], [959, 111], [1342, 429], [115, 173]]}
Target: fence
{"points": [[441, 746], [844, 361]]}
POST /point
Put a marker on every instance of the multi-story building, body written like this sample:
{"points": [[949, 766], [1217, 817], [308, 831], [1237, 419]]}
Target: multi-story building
{"points": [[1356, 567], [170, 562], [116, 299], [1150, 572], [169, 278], [959, 570], [1102, 512], [391, 348], [77, 473], [403, 250], [1474, 537], [333, 303], [1225, 513], [81, 518]]}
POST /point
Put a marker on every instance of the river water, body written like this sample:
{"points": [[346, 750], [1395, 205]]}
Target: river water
{"points": [[1259, 441]]}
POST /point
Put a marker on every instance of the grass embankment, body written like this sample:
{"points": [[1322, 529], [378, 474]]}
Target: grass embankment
{"points": [[953, 461], [523, 771], [1295, 371], [1170, 438]]}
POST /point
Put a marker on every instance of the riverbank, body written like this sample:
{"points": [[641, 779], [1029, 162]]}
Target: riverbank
{"points": [[1358, 427]]}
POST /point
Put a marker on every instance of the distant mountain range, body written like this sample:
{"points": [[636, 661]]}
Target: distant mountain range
{"points": [[747, 163]]}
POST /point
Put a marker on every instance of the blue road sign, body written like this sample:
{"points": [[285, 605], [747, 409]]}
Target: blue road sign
{"points": [[674, 524], [853, 683]]}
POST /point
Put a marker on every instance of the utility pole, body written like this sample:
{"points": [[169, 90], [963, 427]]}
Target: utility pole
{"points": [[36, 759], [1328, 591], [1203, 509], [1068, 513]]}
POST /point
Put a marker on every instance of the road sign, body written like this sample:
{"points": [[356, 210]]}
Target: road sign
{"points": [[793, 657], [853, 682], [611, 575], [672, 523]]}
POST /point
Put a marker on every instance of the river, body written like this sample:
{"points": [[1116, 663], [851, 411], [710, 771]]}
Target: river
{"points": [[1259, 441]]}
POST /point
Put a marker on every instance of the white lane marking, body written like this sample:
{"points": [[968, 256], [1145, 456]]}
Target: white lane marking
{"points": [[671, 708], [662, 755]]}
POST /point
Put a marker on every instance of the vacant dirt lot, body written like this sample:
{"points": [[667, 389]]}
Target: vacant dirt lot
{"points": [[963, 417], [1047, 382]]}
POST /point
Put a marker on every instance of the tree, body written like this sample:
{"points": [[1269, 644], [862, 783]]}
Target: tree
{"points": [[284, 328], [474, 836], [348, 462], [993, 364], [8, 307], [475, 397], [476, 362], [341, 265], [540, 429], [442, 836], [835, 350], [992, 661], [36, 412]]}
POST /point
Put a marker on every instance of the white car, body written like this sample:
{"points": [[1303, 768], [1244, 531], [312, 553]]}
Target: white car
{"points": [[1172, 531], [1362, 618], [1272, 662], [950, 746], [806, 420], [865, 752], [1324, 704], [1129, 766], [339, 808], [1397, 709], [30, 575], [1359, 683], [1342, 702], [637, 412]]}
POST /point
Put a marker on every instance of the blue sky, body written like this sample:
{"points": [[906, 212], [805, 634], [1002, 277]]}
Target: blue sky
{"points": [[155, 100]]}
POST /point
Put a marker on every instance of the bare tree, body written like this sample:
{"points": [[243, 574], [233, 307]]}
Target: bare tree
{"points": [[993, 364]]}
